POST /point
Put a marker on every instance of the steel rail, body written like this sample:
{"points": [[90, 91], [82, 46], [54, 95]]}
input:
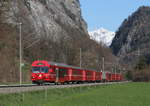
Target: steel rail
{"points": [[52, 84]]}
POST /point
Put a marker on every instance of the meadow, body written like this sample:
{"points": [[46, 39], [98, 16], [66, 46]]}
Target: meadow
{"points": [[128, 94]]}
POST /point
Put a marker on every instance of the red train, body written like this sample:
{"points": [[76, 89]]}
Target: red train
{"points": [[44, 71]]}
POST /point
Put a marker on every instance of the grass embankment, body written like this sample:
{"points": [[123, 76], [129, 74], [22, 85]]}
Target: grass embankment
{"points": [[131, 94]]}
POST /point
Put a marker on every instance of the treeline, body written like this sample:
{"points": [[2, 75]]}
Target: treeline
{"points": [[66, 50], [141, 71], [63, 48]]}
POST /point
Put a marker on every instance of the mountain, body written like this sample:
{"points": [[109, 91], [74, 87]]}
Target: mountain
{"points": [[133, 36], [44, 17], [103, 36], [52, 30]]}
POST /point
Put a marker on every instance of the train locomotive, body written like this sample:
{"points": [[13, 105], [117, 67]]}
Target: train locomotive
{"points": [[58, 73]]}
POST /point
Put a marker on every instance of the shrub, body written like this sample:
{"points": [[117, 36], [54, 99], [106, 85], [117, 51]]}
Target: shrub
{"points": [[129, 75], [141, 75]]}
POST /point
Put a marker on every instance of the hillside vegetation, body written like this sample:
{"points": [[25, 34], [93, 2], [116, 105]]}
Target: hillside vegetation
{"points": [[131, 44], [58, 29]]}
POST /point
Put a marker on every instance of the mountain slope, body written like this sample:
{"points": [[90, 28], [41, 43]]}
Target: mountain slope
{"points": [[52, 30], [102, 36], [132, 38], [45, 16]]}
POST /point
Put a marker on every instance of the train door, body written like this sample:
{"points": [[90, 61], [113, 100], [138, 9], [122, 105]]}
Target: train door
{"points": [[109, 76], [94, 76], [70, 74], [57, 75], [83, 75], [61, 74], [103, 76]]}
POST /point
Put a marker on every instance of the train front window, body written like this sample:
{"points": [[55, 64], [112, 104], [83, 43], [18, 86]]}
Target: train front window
{"points": [[44, 69], [40, 70], [36, 70]]}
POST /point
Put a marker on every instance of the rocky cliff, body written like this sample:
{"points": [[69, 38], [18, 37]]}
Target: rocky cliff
{"points": [[46, 17], [52, 30], [132, 39]]}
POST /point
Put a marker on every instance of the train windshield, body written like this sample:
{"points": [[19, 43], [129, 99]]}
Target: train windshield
{"points": [[40, 70]]}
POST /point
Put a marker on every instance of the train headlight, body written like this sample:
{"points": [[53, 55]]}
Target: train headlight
{"points": [[40, 75]]}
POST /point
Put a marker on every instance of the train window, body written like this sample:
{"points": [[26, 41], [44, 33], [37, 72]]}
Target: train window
{"points": [[40, 70], [35, 70], [44, 69], [62, 72], [88, 73], [76, 72]]}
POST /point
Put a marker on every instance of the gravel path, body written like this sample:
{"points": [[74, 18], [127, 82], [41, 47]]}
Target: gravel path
{"points": [[36, 88]]}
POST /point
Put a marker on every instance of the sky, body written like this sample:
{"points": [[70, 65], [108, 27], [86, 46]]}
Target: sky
{"points": [[108, 14]]}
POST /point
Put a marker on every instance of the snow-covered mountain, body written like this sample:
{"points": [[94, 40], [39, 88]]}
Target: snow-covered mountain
{"points": [[103, 36]]}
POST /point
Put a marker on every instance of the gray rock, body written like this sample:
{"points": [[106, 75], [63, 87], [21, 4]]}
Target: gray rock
{"points": [[132, 38], [47, 18]]}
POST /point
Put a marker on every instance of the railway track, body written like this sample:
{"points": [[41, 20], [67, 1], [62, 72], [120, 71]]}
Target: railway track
{"points": [[15, 85], [5, 89]]}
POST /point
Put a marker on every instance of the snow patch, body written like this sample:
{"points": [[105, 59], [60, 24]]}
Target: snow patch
{"points": [[103, 36]]}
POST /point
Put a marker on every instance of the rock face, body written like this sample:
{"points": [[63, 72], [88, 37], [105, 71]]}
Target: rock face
{"points": [[52, 30], [133, 37], [50, 24], [47, 17]]}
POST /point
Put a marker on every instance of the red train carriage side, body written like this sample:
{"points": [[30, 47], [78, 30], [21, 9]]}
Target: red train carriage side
{"points": [[44, 71], [116, 77], [108, 76], [76, 75], [90, 75], [98, 76]]}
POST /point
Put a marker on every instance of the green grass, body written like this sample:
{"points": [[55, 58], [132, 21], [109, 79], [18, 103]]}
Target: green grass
{"points": [[129, 94]]}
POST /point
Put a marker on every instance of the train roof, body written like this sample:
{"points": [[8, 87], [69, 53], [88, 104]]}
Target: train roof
{"points": [[70, 66]]}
